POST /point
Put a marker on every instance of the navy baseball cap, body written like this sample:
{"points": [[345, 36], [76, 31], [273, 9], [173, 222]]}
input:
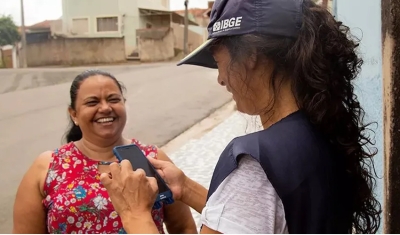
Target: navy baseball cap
{"points": [[238, 17]]}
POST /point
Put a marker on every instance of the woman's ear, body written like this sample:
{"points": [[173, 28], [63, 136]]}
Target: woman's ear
{"points": [[72, 114], [127, 112]]}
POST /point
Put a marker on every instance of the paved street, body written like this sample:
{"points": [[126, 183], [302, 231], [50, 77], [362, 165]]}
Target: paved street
{"points": [[30, 78], [164, 100]]}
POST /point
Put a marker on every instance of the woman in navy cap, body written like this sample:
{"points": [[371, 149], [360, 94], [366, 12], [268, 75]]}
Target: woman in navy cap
{"points": [[310, 169]]}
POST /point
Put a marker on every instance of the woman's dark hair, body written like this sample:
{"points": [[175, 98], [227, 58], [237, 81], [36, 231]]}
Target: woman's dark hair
{"points": [[74, 132], [322, 63]]}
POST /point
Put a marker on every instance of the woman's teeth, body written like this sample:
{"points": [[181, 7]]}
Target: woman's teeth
{"points": [[103, 120]]}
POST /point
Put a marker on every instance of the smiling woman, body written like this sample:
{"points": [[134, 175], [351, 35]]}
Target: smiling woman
{"points": [[62, 193], [101, 107]]}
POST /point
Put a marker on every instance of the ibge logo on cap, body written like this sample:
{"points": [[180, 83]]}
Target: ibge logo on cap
{"points": [[227, 24]]}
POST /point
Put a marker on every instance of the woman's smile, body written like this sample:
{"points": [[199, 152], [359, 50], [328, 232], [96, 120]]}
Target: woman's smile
{"points": [[106, 122]]}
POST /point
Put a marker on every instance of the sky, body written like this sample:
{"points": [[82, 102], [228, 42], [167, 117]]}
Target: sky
{"points": [[40, 10]]}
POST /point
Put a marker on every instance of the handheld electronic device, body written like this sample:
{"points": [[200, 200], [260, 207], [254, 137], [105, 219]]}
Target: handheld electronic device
{"points": [[135, 156]]}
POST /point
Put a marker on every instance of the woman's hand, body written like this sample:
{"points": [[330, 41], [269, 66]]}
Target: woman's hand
{"points": [[172, 175], [131, 192], [184, 189]]}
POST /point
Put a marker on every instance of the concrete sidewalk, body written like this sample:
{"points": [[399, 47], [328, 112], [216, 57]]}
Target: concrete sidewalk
{"points": [[198, 157]]}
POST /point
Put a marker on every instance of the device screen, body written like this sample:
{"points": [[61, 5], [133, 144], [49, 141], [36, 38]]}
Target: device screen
{"points": [[138, 160]]}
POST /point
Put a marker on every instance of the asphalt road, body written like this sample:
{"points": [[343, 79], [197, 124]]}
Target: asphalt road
{"points": [[163, 100]]}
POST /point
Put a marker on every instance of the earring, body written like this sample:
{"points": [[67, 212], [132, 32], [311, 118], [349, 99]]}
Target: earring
{"points": [[76, 123]]}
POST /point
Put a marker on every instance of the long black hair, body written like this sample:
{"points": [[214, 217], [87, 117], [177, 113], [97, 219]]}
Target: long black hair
{"points": [[74, 132], [322, 63]]}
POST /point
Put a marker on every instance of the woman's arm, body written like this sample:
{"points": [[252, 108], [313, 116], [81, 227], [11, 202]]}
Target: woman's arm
{"points": [[178, 218], [182, 187], [142, 224], [29, 215], [194, 195]]}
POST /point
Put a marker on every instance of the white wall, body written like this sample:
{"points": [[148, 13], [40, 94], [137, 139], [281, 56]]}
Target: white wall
{"points": [[364, 19], [90, 9], [154, 4]]}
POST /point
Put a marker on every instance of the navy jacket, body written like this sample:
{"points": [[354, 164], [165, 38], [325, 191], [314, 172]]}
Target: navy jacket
{"points": [[306, 172]]}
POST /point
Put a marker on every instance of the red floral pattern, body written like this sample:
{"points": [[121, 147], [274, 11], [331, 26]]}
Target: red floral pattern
{"points": [[76, 201]]}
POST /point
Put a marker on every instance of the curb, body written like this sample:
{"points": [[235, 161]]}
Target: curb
{"points": [[201, 128]]}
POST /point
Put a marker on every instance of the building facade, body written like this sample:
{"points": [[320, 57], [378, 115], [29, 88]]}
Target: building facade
{"points": [[112, 19]]}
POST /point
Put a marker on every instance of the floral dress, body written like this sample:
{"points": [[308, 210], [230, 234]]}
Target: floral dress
{"points": [[75, 199]]}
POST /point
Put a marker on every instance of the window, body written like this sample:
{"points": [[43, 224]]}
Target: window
{"points": [[80, 25], [107, 24]]}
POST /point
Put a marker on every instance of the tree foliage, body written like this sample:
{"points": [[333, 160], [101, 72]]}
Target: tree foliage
{"points": [[8, 31]]}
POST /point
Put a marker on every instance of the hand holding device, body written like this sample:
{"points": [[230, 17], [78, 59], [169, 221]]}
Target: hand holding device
{"points": [[172, 175], [135, 156], [131, 192]]}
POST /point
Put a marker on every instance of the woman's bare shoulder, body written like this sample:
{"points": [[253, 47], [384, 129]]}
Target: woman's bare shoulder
{"points": [[43, 160]]}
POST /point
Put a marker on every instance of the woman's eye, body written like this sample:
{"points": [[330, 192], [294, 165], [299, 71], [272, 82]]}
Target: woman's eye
{"points": [[91, 103], [115, 100]]}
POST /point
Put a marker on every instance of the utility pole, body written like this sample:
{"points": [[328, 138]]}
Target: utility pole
{"points": [[23, 36], [186, 31]]}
